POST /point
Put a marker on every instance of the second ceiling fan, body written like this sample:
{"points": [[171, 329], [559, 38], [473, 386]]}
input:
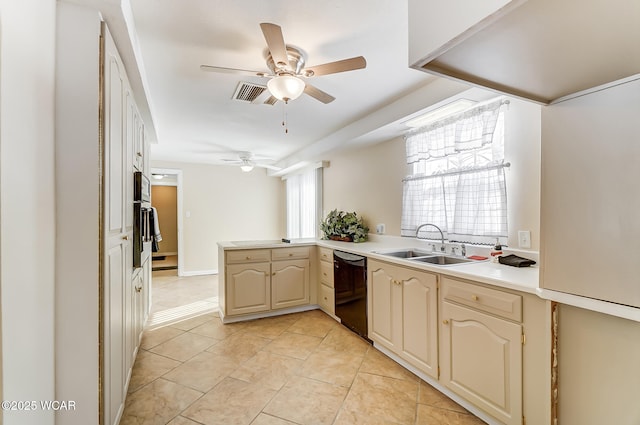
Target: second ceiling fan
{"points": [[287, 68]]}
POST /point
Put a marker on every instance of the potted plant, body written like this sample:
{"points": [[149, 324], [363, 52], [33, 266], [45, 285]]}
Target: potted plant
{"points": [[344, 226]]}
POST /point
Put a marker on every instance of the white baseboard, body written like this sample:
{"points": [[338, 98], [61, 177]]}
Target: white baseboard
{"points": [[198, 272]]}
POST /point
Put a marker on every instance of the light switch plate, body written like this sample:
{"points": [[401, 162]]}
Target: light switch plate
{"points": [[380, 228], [524, 239]]}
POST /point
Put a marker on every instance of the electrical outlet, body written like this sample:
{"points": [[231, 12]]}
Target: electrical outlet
{"points": [[380, 228], [524, 239]]}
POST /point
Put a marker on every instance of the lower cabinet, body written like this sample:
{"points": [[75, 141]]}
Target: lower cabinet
{"points": [[404, 311], [248, 288], [481, 348], [326, 292], [289, 283], [263, 280]]}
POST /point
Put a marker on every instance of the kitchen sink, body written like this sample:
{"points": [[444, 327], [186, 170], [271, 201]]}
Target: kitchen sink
{"points": [[404, 253], [426, 257], [442, 260]]}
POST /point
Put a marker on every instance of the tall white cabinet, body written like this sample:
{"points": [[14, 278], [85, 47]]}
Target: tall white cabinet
{"points": [[101, 300]]}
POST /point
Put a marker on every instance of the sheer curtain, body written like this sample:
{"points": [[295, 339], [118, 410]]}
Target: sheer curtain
{"points": [[304, 195], [458, 180]]}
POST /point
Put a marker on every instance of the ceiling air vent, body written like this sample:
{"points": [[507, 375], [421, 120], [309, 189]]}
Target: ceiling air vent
{"points": [[249, 92]]}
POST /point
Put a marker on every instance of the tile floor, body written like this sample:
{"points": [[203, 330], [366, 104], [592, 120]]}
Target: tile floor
{"points": [[300, 368]]}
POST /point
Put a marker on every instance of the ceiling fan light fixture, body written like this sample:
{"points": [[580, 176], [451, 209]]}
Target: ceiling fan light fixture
{"points": [[246, 166], [286, 87]]}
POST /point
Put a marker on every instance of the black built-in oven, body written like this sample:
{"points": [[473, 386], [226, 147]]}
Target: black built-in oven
{"points": [[142, 231]]}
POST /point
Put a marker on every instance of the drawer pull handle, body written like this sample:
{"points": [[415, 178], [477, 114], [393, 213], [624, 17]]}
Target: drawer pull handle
{"points": [[325, 298], [445, 322], [125, 238], [273, 274], [247, 258], [474, 297], [290, 255], [324, 274], [138, 288]]}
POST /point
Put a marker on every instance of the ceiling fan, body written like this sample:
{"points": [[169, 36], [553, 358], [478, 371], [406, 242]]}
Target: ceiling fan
{"points": [[287, 68], [247, 161]]}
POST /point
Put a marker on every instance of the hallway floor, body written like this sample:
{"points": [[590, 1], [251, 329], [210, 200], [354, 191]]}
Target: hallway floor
{"points": [[302, 368]]}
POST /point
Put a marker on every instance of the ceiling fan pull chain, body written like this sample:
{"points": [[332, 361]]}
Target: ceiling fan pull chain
{"points": [[284, 117]]}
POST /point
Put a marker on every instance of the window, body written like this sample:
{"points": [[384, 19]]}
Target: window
{"points": [[304, 204], [458, 179]]}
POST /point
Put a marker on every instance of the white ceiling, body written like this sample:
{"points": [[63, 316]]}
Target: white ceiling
{"points": [[194, 116]]}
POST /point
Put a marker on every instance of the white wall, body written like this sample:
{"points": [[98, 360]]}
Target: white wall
{"points": [[27, 36], [369, 180], [225, 204]]}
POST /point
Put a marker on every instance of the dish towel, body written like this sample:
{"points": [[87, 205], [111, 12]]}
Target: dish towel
{"points": [[156, 225], [515, 261]]}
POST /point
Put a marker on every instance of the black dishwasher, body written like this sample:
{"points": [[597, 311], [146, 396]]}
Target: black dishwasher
{"points": [[350, 283]]}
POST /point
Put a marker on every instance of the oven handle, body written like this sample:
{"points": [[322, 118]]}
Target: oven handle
{"points": [[146, 232]]}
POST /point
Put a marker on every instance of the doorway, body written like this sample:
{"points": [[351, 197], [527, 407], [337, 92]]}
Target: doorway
{"points": [[166, 198]]}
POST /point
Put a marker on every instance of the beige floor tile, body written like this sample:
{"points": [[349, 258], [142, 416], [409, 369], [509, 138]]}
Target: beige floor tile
{"points": [[429, 415], [314, 323], [334, 367], [193, 322], [202, 372], [184, 346], [374, 398], [271, 327], [378, 364], [264, 419], [306, 401], [181, 420], [432, 397], [216, 329], [240, 346], [231, 402], [152, 338], [342, 339], [270, 369], [157, 403], [148, 367], [294, 345]]}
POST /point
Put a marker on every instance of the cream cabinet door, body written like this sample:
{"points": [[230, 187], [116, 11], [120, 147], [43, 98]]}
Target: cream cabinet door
{"points": [[420, 319], [481, 360], [385, 305], [289, 283], [248, 288]]}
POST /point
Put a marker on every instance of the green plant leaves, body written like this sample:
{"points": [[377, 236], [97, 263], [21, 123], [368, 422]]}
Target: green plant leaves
{"points": [[344, 224]]}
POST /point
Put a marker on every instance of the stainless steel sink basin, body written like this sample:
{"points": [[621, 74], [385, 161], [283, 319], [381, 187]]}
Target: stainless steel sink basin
{"points": [[404, 253], [442, 260], [427, 257]]}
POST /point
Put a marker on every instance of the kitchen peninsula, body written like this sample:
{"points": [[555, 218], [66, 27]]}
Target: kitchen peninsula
{"points": [[477, 331]]}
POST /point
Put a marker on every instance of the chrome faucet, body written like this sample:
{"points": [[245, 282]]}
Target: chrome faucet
{"points": [[429, 224]]}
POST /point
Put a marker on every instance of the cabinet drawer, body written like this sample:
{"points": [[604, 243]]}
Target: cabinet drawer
{"points": [[290, 253], [248, 256], [326, 273], [326, 299], [326, 254], [492, 301]]}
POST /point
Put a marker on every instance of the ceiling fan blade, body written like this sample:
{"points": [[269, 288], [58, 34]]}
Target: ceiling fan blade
{"points": [[275, 43], [318, 94], [343, 65], [223, 70]]}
